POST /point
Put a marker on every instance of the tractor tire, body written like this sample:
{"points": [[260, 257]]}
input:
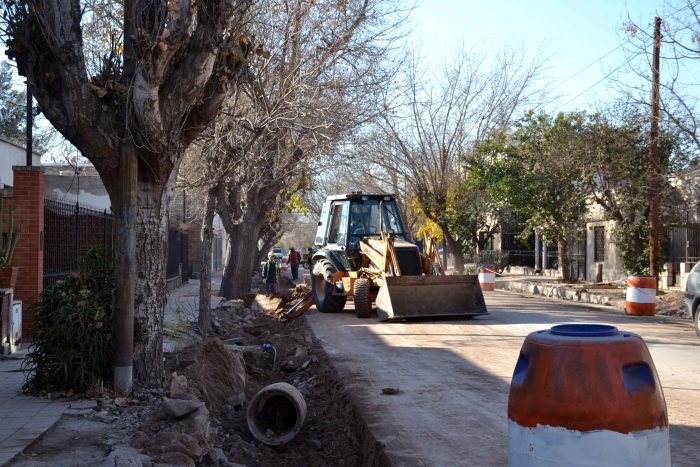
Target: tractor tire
{"points": [[363, 305], [322, 288]]}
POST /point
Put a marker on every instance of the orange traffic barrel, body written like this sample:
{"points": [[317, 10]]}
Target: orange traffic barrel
{"points": [[641, 296], [487, 279], [586, 395]]}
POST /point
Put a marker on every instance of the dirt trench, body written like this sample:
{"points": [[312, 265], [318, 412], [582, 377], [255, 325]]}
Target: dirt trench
{"points": [[334, 433], [115, 430]]}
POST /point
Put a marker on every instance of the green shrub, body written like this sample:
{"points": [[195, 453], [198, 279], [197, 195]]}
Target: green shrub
{"points": [[72, 342]]}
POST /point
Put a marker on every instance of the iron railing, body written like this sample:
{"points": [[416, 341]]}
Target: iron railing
{"points": [[69, 230], [178, 253]]}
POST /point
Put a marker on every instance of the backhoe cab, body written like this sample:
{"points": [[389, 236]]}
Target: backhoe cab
{"points": [[364, 252]]}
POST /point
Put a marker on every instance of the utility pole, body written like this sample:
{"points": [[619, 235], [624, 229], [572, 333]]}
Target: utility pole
{"points": [[30, 123], [125, 217], [537, 252], [654, 164]]}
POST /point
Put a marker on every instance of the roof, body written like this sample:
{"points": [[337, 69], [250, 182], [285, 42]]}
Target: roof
{"points": [[360, 195], [13, 143]]}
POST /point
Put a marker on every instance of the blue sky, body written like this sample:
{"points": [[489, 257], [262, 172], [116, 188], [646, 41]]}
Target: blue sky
{"points": [[574, 33]]}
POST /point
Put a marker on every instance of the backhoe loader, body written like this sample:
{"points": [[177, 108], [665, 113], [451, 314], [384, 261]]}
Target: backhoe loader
{"points": [[364, 253]]}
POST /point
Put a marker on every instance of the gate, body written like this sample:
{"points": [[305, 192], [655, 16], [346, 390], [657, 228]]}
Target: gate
{"points": [[178, 246]]}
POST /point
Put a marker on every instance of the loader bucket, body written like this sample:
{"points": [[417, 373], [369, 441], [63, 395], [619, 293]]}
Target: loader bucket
{"points": [[430, 296]]}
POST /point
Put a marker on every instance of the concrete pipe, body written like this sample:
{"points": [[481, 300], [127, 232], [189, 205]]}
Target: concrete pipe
{"points": [[276, 414], [586, 395], [641, 296]]}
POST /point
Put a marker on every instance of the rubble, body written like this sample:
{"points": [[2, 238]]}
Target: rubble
{"points": [[199, 418], [177, 408]]}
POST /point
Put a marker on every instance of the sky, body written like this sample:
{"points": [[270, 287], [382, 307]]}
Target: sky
{"points": [[574, 33]]}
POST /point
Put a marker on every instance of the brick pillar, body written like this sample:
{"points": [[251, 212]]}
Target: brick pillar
{"points": [[28, 199]]}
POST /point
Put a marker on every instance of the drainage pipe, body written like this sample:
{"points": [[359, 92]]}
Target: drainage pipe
{"points": [[276, 414]]}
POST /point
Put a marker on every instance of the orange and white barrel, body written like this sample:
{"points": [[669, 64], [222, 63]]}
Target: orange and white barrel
{"points": [[487, 279], [641, 296], [284, 264], [586, 395]]}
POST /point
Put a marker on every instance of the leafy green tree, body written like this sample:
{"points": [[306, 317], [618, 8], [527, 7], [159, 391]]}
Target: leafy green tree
{"points": [[13, 108], [551, 169], [536, 173], [471, 218], [616, 168]]}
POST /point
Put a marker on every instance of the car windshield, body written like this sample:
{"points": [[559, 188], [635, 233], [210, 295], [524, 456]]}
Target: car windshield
{"points": [[365, 219]]}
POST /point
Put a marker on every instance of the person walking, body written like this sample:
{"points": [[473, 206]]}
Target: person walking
{"points": [[271, 274], [294, 259]]}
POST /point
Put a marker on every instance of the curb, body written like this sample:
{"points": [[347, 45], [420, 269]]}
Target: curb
{"points": [[585, 299]]}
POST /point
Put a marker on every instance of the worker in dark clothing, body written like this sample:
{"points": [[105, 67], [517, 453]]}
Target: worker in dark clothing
{"points": [[294, 259], [271, 274]]}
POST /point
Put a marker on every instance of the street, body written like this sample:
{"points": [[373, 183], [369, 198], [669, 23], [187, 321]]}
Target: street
{"points": [[454, 376]]}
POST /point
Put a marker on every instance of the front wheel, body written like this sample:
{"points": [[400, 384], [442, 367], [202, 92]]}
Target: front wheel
{"points": [[696, 321], [363, 304], [322, 288]]}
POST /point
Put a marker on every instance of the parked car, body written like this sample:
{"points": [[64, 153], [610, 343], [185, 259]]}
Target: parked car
{"points": [[692, 296], [278, 253]]}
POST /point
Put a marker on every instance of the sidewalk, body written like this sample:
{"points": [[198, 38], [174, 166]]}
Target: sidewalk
{"points": [[25, 418], [22, 418], [669, 302]]}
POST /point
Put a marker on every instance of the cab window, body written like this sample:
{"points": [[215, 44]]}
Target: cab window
{"points": [[339, 220]]}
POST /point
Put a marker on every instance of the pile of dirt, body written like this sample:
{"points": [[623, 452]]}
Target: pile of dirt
{"points": [[671, 304], [333, 433], [199, 418]]}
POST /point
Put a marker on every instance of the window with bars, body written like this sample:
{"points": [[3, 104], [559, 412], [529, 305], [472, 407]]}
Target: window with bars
{"points": [[599, 244]]}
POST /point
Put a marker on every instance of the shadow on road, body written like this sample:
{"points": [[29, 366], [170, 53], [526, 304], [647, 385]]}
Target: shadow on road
{"points": [[452, 404]]}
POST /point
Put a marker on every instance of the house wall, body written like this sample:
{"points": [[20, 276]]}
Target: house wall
{"points": [[88, 190], [611, 264], [12, 154]]}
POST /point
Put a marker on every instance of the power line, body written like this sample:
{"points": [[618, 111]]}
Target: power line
{"points": [[589, 65], [589, 88]]}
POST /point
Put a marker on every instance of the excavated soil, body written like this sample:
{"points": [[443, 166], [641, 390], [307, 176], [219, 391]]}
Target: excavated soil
{"points": [[333, 433], [118, 431]]}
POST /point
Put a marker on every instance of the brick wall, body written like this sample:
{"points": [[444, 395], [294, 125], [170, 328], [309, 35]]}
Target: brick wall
{"points": [[28, 199]]}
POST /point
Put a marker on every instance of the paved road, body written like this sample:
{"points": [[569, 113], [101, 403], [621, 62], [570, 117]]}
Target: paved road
{"points": [[454, 376]]}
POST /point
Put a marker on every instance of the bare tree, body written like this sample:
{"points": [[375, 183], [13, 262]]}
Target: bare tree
{"points": [[313, 80], [423, 140], [680, 64], [161, 77]]}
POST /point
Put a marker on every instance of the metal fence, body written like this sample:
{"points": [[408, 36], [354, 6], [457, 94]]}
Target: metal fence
{"points": [[178, 253], [683, 243], [682, 246], [69, 230]]}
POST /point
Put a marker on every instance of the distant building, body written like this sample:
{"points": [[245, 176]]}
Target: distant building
{"points": [[12, 154], [81, 184]]}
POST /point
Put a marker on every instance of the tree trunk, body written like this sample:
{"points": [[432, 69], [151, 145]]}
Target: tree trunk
{"points": [[455, 247], [563, 256], [151, 229], [242, 256], [204, 318]]}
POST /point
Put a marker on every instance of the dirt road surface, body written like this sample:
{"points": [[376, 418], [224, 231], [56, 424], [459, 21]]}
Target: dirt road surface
{"points": [[453, 376]]}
